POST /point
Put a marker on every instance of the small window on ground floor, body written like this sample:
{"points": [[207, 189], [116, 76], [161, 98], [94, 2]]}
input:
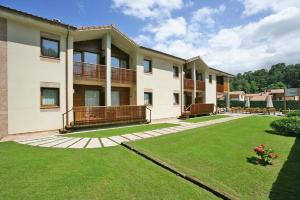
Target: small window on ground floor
{"points": [[49, 97], [148, 98], [176, 98]]}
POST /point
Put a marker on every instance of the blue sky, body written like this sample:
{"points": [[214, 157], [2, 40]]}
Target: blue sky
{"points": [[234, 35]]}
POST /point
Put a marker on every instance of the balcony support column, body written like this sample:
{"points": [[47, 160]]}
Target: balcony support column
{"points": [[194, 94], [107, 47]]}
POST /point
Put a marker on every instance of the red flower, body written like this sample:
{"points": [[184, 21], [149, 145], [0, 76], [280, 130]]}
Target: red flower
{"points": [[262, 145], [259, 149]]}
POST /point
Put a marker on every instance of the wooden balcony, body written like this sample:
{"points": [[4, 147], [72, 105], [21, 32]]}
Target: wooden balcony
{"points": [[85, 71], [189, 84], [102, 115], [222, 88], [200, 85], [123, 76]]}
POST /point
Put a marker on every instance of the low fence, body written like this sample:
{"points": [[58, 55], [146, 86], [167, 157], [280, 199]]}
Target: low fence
{"points": [[106, 115], [201, 108], [291, 104]]}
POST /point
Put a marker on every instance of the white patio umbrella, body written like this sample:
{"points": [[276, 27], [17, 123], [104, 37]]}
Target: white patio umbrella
{"points": [[269, 102], [248, 102]]}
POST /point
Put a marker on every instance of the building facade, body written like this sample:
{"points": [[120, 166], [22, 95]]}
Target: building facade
{"points": [[49, 68]]}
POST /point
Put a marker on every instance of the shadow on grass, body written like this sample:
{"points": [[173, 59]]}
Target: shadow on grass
{"points": [[277, 133], [287, 185]]}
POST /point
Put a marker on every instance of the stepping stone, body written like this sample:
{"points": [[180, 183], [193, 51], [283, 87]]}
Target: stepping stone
{"points": [[45, 141], [80, 144], [55, 142], [131, 137], [118, 139], [68, 143], [34, 140], [94, 143], [143, 135], [107, 142], [154, 133]]}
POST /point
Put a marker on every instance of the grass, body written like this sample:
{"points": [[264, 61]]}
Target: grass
{"points": [[121, 131], [219, 155], [205, 118], [107, 173]]}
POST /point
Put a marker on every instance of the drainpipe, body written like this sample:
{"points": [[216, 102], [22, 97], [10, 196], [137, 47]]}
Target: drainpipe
{"points": [[181, 93], [67, 77]]}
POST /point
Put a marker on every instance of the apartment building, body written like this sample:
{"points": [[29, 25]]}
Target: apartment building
{"points": [[53, 74]]}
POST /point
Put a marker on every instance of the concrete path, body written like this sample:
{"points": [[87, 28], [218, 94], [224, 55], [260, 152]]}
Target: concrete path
{"points": [[58, 141]]}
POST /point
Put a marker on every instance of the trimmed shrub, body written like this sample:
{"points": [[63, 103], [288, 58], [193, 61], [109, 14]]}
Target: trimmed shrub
{"points": [[287, 126], [293, 113]]}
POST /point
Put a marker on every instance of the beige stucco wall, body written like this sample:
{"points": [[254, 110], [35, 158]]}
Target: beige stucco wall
{"points": [[26, 71], [163, 85], [210, 88]]}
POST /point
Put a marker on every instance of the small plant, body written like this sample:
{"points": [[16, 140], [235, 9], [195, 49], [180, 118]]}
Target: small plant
{"points": [[266, 156]]}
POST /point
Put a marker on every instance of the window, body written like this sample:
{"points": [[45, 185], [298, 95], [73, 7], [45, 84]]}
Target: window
{"points": [[220, 80], [175, 71], [147, 98], [92, 97], [118, 62], [176, 98], [91, 58], [147, 66], [115, 98], [50, 48], [199, 76], [77, 56], [49, 97], [210, 78]]}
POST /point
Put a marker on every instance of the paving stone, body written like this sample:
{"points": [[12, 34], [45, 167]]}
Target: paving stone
{"points": [[118, 139], [45, 141], [107, 142], [68, 143], [80, 144], [131, 137], [55, 142], [143, 135], [94, 143], [35, 140], [154, 133]]}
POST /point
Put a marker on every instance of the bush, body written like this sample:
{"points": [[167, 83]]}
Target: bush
{"points": [[287, 126], [293, 113], [266, 156]]}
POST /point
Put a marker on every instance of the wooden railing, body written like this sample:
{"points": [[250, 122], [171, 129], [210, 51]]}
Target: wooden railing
{"points": [[220, 88], [200, 85], [85, 71], [124, 76], [108, 115], [188, 84], [201, 109]]}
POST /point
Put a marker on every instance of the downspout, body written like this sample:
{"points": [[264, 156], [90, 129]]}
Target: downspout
{"points": [[67, 76], [181, 91]]}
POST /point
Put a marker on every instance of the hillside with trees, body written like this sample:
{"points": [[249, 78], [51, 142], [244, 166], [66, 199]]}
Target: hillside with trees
{"points": [[279, 76]]}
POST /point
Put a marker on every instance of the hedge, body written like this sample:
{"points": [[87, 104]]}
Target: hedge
{"points": [[292, 105], [287, 126]]}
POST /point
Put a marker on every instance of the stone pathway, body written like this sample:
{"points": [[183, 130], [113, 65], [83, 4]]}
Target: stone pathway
{"points": [[59, 141]]}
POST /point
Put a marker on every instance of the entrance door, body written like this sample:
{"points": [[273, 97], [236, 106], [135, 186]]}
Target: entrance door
{"points": [[115, 98], [92, 98]]}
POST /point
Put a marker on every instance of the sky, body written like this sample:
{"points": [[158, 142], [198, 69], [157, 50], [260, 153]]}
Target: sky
{"points": [[231, 35]]}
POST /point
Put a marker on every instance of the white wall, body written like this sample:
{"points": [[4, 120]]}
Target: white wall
{"points": [[26, 71], [162, 83], [210, 88]]}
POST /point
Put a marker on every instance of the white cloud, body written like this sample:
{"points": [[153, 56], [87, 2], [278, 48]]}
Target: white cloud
{"points": [[205, 15], [256, 6], [168, 28], [147, 8]]}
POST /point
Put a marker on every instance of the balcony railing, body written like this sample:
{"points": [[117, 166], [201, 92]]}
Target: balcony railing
{"points": [[108, 115], [85, 71], [124, 76], [189, 84], [222, 88]]}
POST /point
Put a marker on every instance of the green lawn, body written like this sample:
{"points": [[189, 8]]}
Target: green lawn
{"points": [[205, 118], [218, 155], [121, 131], [107, 173]]}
